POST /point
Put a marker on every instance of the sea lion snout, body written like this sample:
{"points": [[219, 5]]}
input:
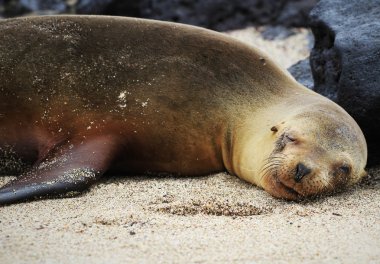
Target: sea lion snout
{"points": [[301, 171], [308, 160]]}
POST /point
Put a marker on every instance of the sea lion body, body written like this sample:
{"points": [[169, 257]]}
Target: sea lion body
{"points": [[85, 95]]}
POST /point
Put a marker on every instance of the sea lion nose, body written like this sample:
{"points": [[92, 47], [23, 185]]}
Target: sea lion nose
{"points": [[301, 171]]}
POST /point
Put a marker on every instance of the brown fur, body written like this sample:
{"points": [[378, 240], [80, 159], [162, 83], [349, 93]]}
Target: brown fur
{"points": [[151, 95]]}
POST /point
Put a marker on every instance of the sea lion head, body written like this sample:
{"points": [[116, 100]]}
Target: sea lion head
{"points": [[311, 152]]}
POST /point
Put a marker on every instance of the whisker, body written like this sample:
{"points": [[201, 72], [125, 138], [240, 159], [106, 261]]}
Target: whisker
{"points": [[272, 161], [269, 172], [271, 165], [244, 168], [268, 168], [326, 183], [275, 157]]}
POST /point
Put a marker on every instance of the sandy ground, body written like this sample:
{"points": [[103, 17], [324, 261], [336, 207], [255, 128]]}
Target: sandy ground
{"points": [[211, 219]]}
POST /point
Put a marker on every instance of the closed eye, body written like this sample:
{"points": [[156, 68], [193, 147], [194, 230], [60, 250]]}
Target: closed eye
{"points": [[284, 139], [289, 138], [342, 170], [345, 169]]}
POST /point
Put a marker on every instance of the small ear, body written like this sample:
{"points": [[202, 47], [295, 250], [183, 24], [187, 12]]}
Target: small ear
{"points": [[364, 174], [274, 128]]}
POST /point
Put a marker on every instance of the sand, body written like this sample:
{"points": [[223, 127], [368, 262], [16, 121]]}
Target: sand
{"points": [[211, 219]]}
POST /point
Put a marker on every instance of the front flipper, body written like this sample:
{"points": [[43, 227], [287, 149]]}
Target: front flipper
{"points": [[69, 169]]}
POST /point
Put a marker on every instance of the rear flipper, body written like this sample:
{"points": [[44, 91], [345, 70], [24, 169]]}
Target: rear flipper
{"points": [[68, 170]]}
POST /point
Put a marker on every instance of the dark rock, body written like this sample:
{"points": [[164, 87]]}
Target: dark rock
{"points": [[91, 6], [1, 8], [225, 15], [58, 6], [301, 71], [10, 8], [215, 14], [124, 8], [345, 61], [295, 13]]}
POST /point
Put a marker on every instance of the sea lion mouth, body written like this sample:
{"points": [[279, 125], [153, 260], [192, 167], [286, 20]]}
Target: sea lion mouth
{"points": [[288, 189], [270, 172]]}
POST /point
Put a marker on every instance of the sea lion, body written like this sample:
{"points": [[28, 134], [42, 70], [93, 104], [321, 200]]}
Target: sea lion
{"points": [[85, 95]]}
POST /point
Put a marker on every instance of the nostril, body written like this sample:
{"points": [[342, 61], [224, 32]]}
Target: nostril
{"points": [[301, 171]]}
